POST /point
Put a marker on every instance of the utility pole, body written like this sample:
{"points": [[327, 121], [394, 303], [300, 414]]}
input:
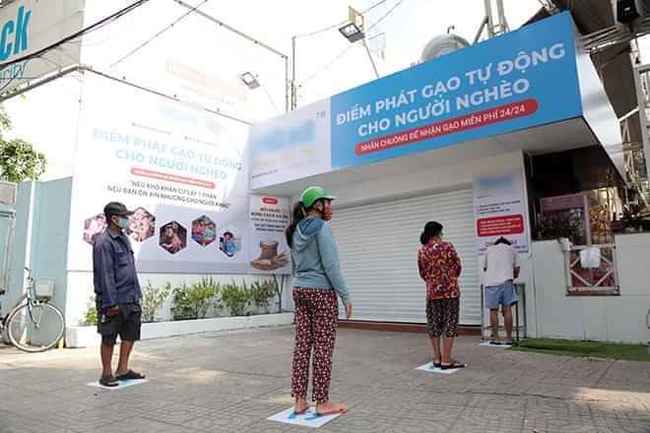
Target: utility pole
{"points": [[494, 21], [294, 92]]}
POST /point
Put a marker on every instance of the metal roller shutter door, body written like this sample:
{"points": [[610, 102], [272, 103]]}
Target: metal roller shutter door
{"points": [[378, 247]]}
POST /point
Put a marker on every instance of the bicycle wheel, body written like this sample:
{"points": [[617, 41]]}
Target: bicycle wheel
{"points": [[35, 327], [4, 334]]}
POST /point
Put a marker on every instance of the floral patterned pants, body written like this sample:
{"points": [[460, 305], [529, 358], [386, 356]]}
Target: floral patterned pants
{"points": [[316, 318]]}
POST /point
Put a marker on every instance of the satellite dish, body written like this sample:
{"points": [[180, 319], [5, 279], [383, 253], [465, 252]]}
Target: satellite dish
{"points": [[441, 45]]}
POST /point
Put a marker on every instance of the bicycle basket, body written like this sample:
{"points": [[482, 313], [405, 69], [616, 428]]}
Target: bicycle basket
{"points": [[44, 289]]}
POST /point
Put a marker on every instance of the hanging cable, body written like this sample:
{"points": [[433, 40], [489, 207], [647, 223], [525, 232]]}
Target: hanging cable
{"points": [[157, 35], [76, 35], [349, 47], [339, 24]]}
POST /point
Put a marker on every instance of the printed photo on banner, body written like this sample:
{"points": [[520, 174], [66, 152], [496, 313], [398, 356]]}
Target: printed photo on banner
{"points": [[142, 225], [204, 231], [173, 237], [229, 241]]}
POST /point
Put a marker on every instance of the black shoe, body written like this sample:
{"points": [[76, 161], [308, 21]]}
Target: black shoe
{"points": [[454, 365], [108, 381], [130, 375]]}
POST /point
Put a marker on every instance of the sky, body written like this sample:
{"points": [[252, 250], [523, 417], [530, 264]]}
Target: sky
{"points": [[326, 63]]}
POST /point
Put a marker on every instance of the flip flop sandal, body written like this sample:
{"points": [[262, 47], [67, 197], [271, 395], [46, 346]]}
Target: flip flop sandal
{"points": [[331, 412], [453, 365], [108, 381], [296, 413], [130, 375]]}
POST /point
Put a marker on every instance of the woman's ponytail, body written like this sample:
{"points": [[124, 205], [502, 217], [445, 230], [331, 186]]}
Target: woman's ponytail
{"points": [[299, 213]]}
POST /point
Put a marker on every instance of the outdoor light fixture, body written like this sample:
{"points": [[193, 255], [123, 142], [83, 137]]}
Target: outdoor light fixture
{"points": [[250, 80], [352, 32]]}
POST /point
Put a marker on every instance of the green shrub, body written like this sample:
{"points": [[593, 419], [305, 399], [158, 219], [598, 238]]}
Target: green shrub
{"points": [[261, 294], [193, 302], [90, 316], [152, 300], [236, 298]]}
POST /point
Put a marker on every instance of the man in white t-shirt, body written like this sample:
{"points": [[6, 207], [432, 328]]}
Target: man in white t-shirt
{"points": [[501, 269]]}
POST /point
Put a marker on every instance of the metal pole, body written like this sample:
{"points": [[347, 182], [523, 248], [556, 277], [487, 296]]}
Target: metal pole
{"points": [[294, 96], [374, 66], [639, 71], [503, 24], [480, 30], [287, 86], [490, 18]]}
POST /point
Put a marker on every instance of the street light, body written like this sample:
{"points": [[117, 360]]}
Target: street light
{"points": [[352, 32], [353, 29], [250, 80]]}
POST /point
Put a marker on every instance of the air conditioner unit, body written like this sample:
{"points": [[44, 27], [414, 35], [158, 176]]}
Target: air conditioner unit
{"points": [[629, 10]]}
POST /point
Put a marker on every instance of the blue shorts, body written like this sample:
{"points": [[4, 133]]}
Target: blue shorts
{"points": [[504, 294]]}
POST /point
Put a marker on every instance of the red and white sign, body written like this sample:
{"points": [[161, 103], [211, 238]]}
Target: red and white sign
{"points": [[500, 226], [499, 210], [450, 126]]}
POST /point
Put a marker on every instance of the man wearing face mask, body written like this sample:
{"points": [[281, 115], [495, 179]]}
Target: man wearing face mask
{"points": [[117, 294]]}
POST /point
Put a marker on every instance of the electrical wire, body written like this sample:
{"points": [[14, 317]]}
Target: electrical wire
{"points": [[99, 24], [270, 98], [40, 54], [349, 47], [339, 24], [157, 35]]}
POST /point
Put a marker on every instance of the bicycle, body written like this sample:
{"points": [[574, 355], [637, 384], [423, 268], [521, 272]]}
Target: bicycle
{"points": [[33, 324]]}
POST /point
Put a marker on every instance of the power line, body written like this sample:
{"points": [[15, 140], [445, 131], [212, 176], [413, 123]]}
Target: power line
{"points": [[349, 47], [76, 35], [165, 29]]}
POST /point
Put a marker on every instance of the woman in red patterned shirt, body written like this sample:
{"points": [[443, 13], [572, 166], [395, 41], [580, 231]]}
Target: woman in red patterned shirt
{"points": [[440, 267]]}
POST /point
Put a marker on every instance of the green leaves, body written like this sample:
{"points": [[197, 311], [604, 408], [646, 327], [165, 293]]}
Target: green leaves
{"points": [[194, 302], [152, 300], [18, 159]]}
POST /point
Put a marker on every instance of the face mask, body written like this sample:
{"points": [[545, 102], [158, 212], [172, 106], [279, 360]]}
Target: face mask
{"points": [[328, 214], [123, 223]]}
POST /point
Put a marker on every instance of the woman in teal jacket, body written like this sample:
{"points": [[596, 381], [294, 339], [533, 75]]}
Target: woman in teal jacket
{"points": [[317, 280]]}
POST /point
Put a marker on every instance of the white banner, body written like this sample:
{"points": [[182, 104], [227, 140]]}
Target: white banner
{"points": [[290, 147], [30, 25], [500, 210], [183, 170]]}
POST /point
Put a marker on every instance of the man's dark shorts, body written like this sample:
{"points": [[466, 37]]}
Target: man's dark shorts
{"points": [[126, 324]]}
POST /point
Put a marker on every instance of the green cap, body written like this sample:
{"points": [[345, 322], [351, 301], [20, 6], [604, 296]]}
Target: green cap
{"points": [[314, 193]]}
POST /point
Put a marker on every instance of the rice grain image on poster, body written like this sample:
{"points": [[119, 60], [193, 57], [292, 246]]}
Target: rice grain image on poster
{"points": [[270, 259]]}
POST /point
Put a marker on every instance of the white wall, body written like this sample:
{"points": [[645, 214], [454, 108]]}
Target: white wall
{"points": [[609, 318]]}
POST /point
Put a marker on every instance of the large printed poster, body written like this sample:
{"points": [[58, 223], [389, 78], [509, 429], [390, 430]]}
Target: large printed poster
{"points": [[500, 210], [493, 88], [184, 172], [269, 216]]}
